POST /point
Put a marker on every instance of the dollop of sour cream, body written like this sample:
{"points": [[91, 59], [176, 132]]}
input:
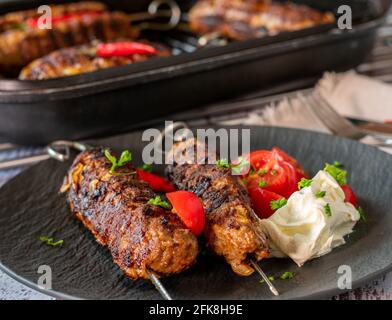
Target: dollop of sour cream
{"points": [[305, 228]]}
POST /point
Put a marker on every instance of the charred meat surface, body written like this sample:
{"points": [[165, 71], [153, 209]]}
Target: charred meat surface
{"points": [[230, 222], [22, 41], [114, 208], [247, 19], [82, 59]]}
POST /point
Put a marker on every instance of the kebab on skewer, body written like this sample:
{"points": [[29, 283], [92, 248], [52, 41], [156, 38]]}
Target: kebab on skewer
{"points": [[91, 57], [230, 228], [247, 19], [22, 41], [115, 207]]}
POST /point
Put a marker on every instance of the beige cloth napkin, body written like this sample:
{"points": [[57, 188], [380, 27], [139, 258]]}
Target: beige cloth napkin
{"points": [[351, 94]]}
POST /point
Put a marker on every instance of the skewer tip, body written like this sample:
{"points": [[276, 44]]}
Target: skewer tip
{"points": [[264, 276]]}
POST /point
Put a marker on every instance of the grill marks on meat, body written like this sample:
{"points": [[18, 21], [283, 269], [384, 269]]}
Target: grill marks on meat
{"points": [[246, 19], [21, 44], [114, 208], [77, 60], [230, 224]]}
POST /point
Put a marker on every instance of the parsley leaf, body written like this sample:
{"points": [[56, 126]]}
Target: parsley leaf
{"points": [[252, 170], [157, 201], [261, 172], [327, 209], [262, 184], [304, 183], [222, 163], [147, 167], [270, 278], [125, 157], [277, 204], [338, 164], [337, 173], [241, 166], [287, 275], [237, 168], [362, 213], [321, 194], [51, 242]]}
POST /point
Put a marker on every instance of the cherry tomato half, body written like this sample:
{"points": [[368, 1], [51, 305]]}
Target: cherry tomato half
{"points": [[189, 208], [261, 201]]}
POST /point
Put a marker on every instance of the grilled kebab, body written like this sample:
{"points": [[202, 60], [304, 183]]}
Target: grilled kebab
{"points": [[22, 41], [114, 208], [246, 19], [76, 60], [230, 228]]}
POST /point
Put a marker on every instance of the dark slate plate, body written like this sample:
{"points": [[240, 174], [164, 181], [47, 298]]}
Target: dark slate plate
{"points": [[30, 206]]}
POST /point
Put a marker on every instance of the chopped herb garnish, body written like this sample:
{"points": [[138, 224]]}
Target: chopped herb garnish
{"points": [[223, 164], [338, 164], [261, 172], [362, 213], [274, 172], [327, 209], [304, 183], [277, 204], [287, 275], [270, 278], [321, 194], [125, 158], [157, 201], [236, 168], [241, 166], [262, 184], [245, 181], [51, 242], [147, 167], [337, 173], [252, 170]]}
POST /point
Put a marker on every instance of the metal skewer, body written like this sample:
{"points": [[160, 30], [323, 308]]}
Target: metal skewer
{"points": [[264, 276], [158, 285]]}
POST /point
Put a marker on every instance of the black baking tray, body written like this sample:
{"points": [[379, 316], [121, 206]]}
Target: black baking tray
{"points": [[110, 101]]}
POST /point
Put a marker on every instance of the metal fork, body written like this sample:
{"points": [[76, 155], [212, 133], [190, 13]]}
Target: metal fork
{"points": [[336, 123]]}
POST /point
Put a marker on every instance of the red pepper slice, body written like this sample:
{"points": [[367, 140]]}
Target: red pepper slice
{"points": [[124, 48], [156, 183], [190, 210], [33, 22]]}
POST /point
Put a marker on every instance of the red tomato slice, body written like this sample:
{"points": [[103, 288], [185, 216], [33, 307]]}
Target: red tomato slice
{"points": [[350, 195], [281, 178], [189, 208], [275, 182], [155, 182], [261, 200], [261, 159], [283, 156]]}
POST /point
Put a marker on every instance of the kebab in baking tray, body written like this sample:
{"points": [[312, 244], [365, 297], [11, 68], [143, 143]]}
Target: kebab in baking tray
{"points": [[22, 41], [247, 19], [92, 57]]}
